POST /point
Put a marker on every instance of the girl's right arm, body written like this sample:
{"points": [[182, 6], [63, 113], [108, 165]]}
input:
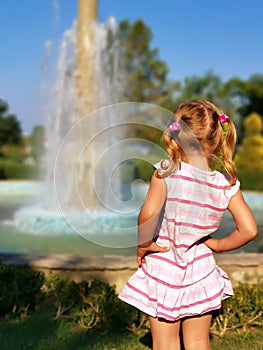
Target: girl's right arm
{"points": [[246, 227], [148, 219]]}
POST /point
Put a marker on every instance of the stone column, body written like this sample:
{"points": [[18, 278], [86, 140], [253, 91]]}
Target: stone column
{"points": [[85, 80]]}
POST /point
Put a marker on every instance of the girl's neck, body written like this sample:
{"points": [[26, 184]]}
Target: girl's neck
{"points": [[197, 161]]}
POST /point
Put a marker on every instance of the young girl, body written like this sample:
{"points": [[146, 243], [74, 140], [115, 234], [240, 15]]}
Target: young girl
{"points": [[178, 283]]}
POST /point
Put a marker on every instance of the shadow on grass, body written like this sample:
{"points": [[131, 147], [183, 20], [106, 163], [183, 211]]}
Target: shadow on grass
{"points": [[41, 332], [28, 333]]}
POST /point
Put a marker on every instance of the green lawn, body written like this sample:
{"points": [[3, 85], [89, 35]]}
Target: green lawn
{"points": [[41, 332]]}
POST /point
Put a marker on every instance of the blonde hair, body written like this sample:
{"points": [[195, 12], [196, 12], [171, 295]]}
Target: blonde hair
{"points": [[200, 126]]}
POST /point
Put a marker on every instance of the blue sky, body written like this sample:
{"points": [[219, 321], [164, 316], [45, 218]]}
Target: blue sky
{"points": [[193, 36]]}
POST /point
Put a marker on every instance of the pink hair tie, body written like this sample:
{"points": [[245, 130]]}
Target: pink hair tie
{"points": [[223, 118], [174, 127]]}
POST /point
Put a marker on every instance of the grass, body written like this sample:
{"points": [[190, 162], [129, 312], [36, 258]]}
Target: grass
{"points": [[41, 332], [252, 340]]}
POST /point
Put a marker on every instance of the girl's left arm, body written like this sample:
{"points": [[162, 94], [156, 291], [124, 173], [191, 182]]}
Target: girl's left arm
{"points": [[246, 227], [148, 218]]}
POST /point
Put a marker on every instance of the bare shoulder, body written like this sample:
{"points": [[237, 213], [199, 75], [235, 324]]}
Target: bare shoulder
{"points": [[157, 184], [157, 191]]}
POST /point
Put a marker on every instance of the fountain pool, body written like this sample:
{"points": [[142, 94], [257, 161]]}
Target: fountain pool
{"points": [[16, 239]]}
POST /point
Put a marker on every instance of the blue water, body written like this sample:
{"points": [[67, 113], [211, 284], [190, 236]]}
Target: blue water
{"points": [[14, 239]]}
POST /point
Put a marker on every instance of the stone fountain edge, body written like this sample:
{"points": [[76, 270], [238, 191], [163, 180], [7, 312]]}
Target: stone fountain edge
{"points": [[115, 270]]}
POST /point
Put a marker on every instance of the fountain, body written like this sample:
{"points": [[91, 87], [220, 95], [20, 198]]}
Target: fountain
{"points": [[87, 142], [82, 86]]}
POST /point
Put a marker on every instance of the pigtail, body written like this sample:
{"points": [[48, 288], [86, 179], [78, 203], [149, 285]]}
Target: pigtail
{"points": [[170, 140], [228, 148]]}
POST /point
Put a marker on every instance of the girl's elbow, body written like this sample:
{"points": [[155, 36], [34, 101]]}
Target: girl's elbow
{"points": [[148, 212], [252, 232]]}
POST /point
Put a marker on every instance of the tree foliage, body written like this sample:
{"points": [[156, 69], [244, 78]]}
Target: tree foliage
{"points": [[145, 74], [210, 87], [15, 160], [250, 154], [10, 128], [248, 92], [249, 157]]}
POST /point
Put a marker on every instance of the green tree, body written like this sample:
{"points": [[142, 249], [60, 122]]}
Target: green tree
{"points": [[209, 87], [13, 151], [248, 92], [249, 158], [247, 96], [145, 74], [144, 79], [232, 97], [10, 128]]}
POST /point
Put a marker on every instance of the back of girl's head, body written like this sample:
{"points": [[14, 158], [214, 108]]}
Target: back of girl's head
{"points": [[201, 126]]}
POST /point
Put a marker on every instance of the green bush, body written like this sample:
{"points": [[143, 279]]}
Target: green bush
{"points": [[240, 312], [10, 169], [61, 295], [94, 306], [249, 155], [251, 179], [20, 289], [101, 310]]}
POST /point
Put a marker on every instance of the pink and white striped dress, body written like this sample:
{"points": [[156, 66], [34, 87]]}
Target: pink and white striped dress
{"points": [[185, 281]]}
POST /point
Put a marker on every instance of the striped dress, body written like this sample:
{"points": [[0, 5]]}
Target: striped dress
{"points": [[185, 281]]}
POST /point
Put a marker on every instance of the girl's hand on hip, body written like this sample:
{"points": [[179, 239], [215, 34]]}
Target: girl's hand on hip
{"points": [[147, 248], [211, 243]]}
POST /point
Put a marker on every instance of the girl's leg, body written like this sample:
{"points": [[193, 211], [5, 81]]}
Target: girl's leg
{"points": [[196, 332], [165, 334]]}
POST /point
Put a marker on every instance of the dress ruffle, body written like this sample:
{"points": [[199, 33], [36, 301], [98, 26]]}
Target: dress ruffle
{"points": [[173, 302]]}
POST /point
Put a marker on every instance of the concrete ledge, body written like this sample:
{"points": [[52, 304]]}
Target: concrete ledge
{"points": [[115, 270], [242, 268]]}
